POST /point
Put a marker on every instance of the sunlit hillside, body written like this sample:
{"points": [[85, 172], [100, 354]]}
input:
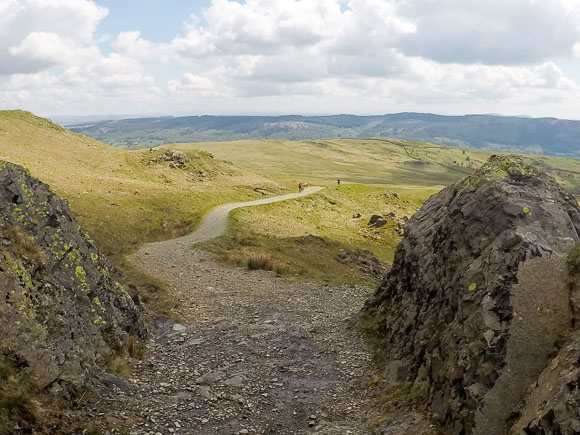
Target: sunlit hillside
{"points": [[120, 198]]}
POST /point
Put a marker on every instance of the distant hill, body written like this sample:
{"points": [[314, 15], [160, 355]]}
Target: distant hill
{"points": [[538, 135]]}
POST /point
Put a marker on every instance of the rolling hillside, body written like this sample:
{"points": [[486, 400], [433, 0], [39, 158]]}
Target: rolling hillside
{"points": [[120, 197], [370, 161], [538, 135]]}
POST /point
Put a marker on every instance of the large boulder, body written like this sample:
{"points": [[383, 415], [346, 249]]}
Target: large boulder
{"points": [[478, 295], [63, 309]]}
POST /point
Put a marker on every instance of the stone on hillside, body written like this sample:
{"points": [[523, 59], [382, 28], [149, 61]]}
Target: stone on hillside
{"points": [[210, 378], [64, 310], [478, 295], [377, 221], [178, 159]]}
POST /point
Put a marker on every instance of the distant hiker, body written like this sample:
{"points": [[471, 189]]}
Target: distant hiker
{"points": [[338, 181], [300, 187]]}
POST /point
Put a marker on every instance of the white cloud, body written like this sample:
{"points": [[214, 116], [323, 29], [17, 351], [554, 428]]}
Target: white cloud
{"points": [[50, 49], [490, 31], [133, 45], [50, 58], [298, 55], [194, 83], [34, 34]]}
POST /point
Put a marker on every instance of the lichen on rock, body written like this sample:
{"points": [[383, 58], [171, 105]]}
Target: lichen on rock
{"points": [[478, 294], [50, 277]]}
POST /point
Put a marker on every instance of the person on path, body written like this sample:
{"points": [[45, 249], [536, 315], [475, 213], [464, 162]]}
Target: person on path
{"points": [[300, 187], [338, 181]]}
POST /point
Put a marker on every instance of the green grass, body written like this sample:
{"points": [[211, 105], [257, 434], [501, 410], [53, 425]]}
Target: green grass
{"points": [[307, 258], [307, 234], [122, 200], [120, 365], [371, 170], [369, 161]]}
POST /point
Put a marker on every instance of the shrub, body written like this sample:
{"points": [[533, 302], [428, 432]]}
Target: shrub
{"points": [[135, 348]]}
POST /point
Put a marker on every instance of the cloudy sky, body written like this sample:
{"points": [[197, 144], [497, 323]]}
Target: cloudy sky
{"points": [[82, 57]]}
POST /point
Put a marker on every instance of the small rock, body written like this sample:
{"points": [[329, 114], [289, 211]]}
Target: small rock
{"points": [[210, 378], [179, 327], [377, 221], [235, 381]]}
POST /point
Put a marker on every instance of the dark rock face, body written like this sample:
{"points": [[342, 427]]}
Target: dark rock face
{"points": [[367, 262], [63, 310], [552, 404], [477, 295]]}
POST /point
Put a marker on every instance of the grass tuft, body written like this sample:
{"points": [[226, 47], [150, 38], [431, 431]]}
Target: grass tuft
{"points": [[265, 262], [22, 245], [16, 393], [118, 364], [135, 348], [153, 290]]}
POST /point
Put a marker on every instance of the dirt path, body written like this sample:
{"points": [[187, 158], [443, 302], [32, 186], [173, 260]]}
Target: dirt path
{"points": [[256, 353], [215, 223]]}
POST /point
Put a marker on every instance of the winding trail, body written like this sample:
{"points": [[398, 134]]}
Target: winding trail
{"points": [[255, 353], [215, 223]]}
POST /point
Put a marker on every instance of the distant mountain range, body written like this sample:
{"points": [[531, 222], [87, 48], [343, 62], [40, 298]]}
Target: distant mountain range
{"points": [[538, 135]]}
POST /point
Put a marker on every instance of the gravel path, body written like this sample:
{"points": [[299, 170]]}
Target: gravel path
{"points": [[254, 353], [215, 223]]}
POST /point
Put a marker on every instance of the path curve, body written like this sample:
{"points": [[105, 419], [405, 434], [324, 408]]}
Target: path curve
{"points": [[215, 223]]}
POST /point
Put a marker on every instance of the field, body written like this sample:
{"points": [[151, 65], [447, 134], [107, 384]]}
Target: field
{"points": [[369, 161], [548, 136], [307, 236]]}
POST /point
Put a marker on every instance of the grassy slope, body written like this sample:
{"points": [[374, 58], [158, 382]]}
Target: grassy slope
{"points": [[284, 230], [119, 199], [369, 161], [122, 201]]}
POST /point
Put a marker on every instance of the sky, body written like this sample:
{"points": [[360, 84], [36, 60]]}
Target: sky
{"points": [[174, 57]]}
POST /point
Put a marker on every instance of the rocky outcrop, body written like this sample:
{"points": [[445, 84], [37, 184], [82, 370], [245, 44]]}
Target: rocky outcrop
{"points": [[178, 159], [64, 310], [478, 295]]}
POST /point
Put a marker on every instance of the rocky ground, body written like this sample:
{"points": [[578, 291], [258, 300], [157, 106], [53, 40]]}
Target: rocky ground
{"points": [[253, 354]]}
